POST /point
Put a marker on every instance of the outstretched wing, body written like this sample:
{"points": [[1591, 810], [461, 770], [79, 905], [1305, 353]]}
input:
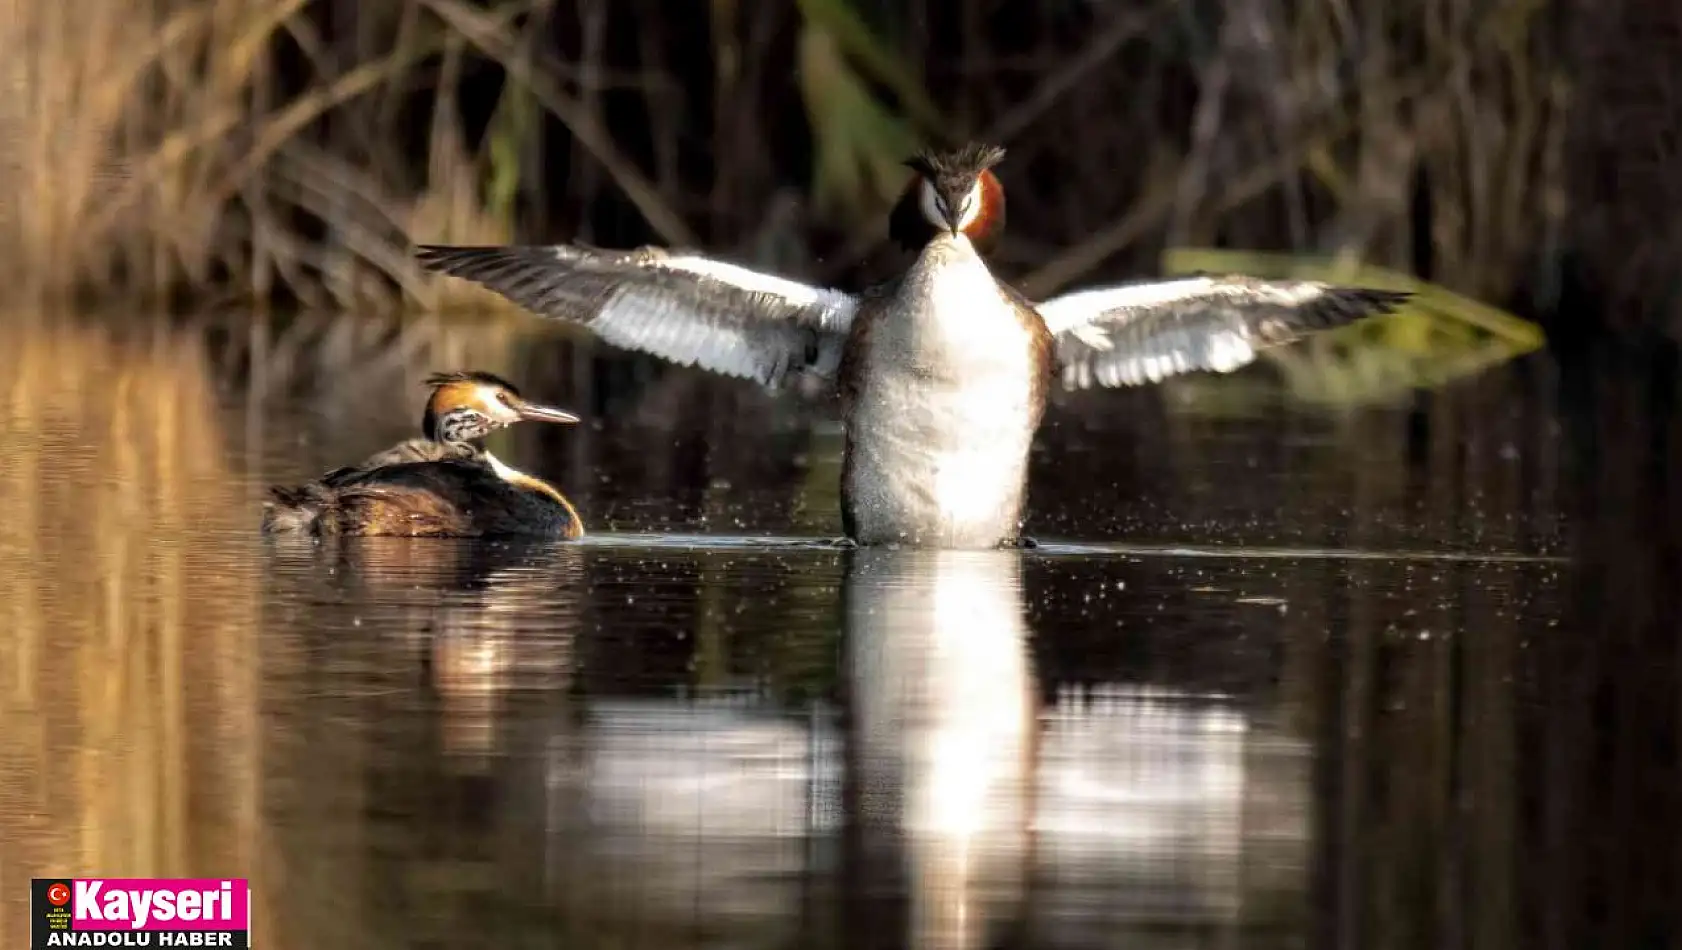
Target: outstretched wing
{"points": [[1132, 334], [692, 310]]}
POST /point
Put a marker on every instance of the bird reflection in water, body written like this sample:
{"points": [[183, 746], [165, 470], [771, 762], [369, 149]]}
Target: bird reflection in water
{"points": [[944, 804], [940, 747], [483, 619]]}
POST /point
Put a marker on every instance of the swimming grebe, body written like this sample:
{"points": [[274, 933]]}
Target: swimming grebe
{"points": [[943, 371], [440, 485]]}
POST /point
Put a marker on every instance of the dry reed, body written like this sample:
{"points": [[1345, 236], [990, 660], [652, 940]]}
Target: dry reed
{"points": [[155, 148], [147, 150]]}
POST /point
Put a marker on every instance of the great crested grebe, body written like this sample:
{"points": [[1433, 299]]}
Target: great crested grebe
{"points": [[440, 485], [943, 371]]}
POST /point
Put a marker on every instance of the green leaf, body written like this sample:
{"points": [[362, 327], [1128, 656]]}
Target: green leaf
{"points": [[1438, 337]]}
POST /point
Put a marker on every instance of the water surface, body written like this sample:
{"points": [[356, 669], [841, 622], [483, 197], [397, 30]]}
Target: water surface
{"points": [[1279, 676]]}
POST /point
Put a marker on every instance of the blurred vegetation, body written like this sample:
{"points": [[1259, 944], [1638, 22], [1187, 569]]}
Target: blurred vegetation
{"points": [[186, 152]]}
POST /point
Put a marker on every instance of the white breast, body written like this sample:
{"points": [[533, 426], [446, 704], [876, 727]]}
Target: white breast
{"points": [[944, 419]]}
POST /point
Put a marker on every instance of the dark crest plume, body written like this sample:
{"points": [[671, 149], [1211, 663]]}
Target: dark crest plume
{"points": [[952, 173], [470, 376], [955, 167]]}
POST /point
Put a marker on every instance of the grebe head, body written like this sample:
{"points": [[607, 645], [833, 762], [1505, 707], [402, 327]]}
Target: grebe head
{"points": [[952, 192], [471, 405]]}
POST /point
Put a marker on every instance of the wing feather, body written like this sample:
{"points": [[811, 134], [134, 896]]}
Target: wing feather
{"points": [[692, 310], [1132, 334]]}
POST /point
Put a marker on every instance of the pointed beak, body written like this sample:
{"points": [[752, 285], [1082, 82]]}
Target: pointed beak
{"points": [[532, 412]]}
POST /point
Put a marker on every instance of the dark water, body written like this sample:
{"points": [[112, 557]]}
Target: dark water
{"points": [[1282, 676]]}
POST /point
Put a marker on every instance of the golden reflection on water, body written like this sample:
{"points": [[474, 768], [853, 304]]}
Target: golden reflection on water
{"points": [[129, 661]]}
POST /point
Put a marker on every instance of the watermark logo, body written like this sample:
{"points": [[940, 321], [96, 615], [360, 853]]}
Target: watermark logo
{"points": [[139, 912]]}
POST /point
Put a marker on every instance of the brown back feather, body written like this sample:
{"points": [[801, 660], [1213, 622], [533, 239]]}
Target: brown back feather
{"points": [[442, 497]]}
